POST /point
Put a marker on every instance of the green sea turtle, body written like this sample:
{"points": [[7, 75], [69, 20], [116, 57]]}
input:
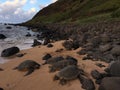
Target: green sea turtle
{"points": [[53, 60], [68, 73], [28, 65], [61, 64]]}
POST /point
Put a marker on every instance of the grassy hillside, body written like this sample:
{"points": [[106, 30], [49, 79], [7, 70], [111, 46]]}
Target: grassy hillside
{"points": [[78, 11]]}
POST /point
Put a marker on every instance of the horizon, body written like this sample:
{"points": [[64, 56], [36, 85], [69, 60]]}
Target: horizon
{"points": [[18, 11]]}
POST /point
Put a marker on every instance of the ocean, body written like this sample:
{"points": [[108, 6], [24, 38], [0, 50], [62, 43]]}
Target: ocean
{"points": [[16, 36]]}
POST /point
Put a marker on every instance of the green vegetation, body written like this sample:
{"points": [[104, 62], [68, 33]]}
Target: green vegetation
{"points": [[75, 11]]}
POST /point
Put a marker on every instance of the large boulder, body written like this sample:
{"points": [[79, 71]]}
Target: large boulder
{"points": [[114, 69], [110, 83], [2, 36], [116, 50], [9, 51]]}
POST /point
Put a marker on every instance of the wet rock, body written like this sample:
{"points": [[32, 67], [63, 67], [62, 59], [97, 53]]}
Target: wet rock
{"points": [[36, 43], [110, 83], [8, 27], [46, 41], [9, 51], [28, 35], [47, 56], [87, 83], [2, 36]]}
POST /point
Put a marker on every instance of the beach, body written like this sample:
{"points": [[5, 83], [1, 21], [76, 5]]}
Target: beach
{"points": [[41, 79]]}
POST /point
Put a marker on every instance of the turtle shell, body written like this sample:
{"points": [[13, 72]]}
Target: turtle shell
{"points": [[27, 65], [68, 73]]}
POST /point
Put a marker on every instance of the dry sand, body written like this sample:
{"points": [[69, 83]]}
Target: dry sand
{"points": [[41, 79]]}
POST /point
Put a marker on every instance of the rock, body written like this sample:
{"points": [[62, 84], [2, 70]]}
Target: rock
{"points": [[96, 75], [114, 69], [59, 50], [105, 38], [106, 47], [110, 83], [9, 27], [46, 41], [100, 65], [1, 88], [82, 52], [36, 43], [87, 83], [9, 51], [49, 45], [2, 36], [116, 50], [71, 58], [1, 69], [28, 35], [47, 56]]}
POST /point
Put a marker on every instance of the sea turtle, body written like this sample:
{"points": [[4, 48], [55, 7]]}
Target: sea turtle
{"points": [[68, 73], [61, 64], [28, 65], [53, 60]]}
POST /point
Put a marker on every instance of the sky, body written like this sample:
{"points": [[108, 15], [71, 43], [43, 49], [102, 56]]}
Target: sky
{"points": [[17, 11]]}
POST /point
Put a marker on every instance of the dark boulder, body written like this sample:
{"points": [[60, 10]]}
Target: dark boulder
{"points": [[8, 27], [114, 69], [9, 51], [2, 36], [36, 43], [46, 41], [116, 50], [87, 83], [47, 56], [1, 88], [110, 83], [1, 69], [28, 35]]}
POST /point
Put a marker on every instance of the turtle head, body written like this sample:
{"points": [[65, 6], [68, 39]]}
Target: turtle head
{"points": [[37, 66]]}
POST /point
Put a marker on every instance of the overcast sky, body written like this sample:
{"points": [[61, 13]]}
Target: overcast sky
{"points": [[16, 11]]}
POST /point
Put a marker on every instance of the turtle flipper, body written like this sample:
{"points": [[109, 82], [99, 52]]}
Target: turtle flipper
{"points": [[29, 71], [63, 82]]}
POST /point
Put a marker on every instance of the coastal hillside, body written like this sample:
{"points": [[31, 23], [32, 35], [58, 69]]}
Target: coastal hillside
{"points": [[77, 11]]}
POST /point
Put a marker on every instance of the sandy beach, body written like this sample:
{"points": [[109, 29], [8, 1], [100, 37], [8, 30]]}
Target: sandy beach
{"points": [[41, 79]]}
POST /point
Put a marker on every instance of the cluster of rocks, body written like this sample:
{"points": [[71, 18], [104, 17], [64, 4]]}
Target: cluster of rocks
{"points": [[68, 70], [110, 79], [100, 41]]}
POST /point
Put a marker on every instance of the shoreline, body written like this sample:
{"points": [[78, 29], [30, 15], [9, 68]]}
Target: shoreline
{"points": [[42, 79]]}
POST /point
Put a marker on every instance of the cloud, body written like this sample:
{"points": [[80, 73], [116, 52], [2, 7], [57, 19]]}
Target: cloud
{"points": [[33, 1], [12, 11], [53, 0]]}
